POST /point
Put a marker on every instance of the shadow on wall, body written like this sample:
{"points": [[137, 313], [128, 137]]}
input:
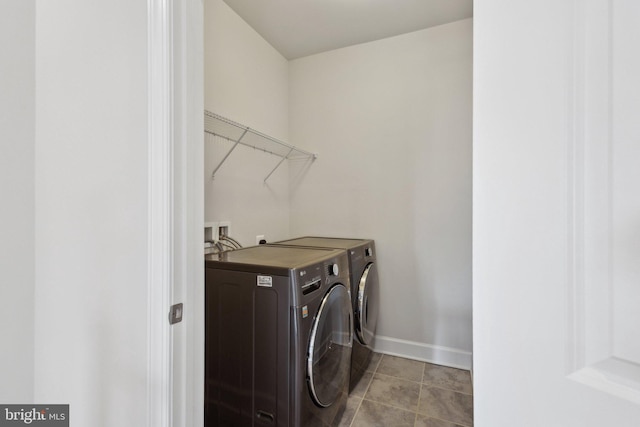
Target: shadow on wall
{"points": [[298, 170]]}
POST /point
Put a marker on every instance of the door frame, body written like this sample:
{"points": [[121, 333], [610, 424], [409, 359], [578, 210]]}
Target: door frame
{"points": [[175, 354]]}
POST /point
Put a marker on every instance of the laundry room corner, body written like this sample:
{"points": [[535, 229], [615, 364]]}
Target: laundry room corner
{"points": [[392, 120]]}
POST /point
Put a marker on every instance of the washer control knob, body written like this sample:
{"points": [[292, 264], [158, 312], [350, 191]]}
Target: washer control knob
{"points": [[334, 270], [368, 252]]}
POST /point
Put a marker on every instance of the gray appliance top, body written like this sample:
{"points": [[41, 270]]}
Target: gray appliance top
{"points": [[272, 259], [325, 242]]}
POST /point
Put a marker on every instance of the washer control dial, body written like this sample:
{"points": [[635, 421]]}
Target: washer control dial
{"points": [[334, 270]]}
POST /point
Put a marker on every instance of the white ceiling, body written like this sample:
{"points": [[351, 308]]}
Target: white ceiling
{"points": [[298, 28]]}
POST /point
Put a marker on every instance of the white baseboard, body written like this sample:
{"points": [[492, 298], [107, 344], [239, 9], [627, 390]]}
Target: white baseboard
{"points": [[438, 355]]}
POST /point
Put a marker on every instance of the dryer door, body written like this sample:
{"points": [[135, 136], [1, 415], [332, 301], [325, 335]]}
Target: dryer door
{"points": [[366, 310], [329, 353]]}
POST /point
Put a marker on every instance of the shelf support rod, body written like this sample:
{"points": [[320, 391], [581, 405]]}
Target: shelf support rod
{"points": [[213, 174], [278, 165]]}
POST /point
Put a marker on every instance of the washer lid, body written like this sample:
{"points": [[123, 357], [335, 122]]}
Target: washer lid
{"points": [[272, 259], [329, 353]]}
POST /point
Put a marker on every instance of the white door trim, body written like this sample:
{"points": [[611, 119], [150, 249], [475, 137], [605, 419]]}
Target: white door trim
{"points": [[188, 214], [160, 212], [592, 284]]}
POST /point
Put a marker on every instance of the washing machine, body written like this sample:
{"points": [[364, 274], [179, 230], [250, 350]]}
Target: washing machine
{"points": [[364, 292], [278, 336]]}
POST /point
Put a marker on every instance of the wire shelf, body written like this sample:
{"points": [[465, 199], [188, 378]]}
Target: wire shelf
{"points": [[244, 135]]}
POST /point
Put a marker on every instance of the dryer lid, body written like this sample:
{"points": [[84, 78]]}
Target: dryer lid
{"points": [[324, 242]]}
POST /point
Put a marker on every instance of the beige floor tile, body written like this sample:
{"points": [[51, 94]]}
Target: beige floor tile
{"points": [[423, 421], [402, 368], [449, 378], [394, 391], [446, 405], [373, 414], [404, 392], [363, 384]]}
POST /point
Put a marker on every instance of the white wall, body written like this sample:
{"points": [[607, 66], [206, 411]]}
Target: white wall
{"points": [[391, 122], [91, 210], [17, 127], [245, 81]]}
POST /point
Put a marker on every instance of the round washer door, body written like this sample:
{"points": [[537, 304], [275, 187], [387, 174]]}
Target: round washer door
{"points": [[329, 353], [366, 314]]}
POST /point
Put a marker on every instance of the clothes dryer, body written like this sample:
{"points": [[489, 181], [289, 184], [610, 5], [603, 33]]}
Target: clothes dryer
{"points": [[363, 274], [278, 337]]}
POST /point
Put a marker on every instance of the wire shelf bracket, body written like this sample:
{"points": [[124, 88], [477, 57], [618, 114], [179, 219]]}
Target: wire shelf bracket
{"points": [[244, 135]]}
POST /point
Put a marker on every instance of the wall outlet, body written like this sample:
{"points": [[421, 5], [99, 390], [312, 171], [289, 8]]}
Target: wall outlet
{"points": [[259, 237]]}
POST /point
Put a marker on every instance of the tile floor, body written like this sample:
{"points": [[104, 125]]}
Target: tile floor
{"points": [[398, 392]]}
